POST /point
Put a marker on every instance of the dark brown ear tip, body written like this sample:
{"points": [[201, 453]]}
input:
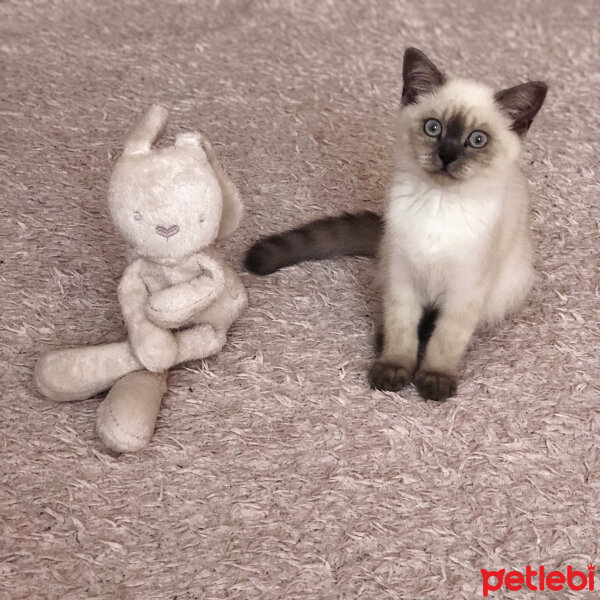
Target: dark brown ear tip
{"points": [[543, 87], [419, 74], [412, 55], [540, 86]]}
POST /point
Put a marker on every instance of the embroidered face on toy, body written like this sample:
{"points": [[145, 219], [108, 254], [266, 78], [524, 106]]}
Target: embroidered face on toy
{"points": [[168, 203]]}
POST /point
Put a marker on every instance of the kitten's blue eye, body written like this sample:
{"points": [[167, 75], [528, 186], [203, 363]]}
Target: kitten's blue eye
{"points": [[137, 215], [432, 127], [477, 139]]}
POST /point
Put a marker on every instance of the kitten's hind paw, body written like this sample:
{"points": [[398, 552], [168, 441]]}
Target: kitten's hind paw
{"points": [[261, 258], [388, 376], [435, 386]]}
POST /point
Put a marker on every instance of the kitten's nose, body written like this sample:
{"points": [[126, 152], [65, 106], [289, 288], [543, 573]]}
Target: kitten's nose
{"points": [[448, 152], [167, 232]]}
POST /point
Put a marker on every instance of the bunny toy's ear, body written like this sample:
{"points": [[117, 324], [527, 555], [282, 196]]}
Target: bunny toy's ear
{"points": [[146, 130], [189, 140], [233, 209]]}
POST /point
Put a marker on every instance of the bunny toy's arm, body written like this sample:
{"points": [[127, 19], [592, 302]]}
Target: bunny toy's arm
{"points": [[155, 347], [176, 305]]}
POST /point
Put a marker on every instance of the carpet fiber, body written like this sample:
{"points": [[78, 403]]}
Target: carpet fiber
{"points": [[275, 472]]}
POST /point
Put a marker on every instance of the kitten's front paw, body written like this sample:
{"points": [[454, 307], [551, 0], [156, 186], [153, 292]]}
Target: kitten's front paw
{"points": [[388, 376], [435, 386]]}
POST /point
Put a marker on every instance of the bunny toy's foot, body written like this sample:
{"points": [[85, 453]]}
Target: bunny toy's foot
{"points": [[127, 416], [198, 342], [80, 373]]}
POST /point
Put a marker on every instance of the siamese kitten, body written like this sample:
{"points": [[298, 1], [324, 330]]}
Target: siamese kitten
{"points": [[454, 241]]}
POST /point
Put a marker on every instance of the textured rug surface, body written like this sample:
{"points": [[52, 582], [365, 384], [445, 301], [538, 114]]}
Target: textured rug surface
{"points": [[275, 472]]}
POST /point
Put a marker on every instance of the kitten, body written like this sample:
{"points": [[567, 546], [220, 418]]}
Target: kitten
{"points": [[454, 242]]}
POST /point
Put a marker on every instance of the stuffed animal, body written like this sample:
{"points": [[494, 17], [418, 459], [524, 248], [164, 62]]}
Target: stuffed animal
{"points": [[178, 297]]}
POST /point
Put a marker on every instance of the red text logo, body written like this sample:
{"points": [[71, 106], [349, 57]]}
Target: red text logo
{"points": [[541, 580]]}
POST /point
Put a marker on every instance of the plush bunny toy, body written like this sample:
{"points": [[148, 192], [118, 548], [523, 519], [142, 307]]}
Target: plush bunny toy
{"points": [[178, 297]]}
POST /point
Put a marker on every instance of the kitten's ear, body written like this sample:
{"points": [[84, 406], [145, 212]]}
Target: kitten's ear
{"points": [[521, 103], [420, 76]]}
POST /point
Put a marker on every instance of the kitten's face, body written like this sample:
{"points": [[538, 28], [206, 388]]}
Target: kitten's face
{"points": [[459, 133], [457, 130]]}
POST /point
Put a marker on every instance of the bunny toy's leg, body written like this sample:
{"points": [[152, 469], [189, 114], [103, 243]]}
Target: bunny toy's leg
{"points": [[228, 306], [80, 373], [127, 416], [208, 336], [197, 342]]}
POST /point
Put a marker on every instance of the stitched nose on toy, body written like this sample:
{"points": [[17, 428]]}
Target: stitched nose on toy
{"points": [[167, 232]]}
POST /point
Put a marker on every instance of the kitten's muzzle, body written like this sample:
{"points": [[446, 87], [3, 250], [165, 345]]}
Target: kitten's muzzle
{"points": [[449, 151], [167, 232]]}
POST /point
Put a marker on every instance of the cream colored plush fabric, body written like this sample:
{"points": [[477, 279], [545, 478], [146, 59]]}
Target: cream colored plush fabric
{"points": [[275, 472], [178, 297]]}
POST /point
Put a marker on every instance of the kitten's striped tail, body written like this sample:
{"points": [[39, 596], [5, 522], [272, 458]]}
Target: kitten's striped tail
{"points": [[345, 235]]}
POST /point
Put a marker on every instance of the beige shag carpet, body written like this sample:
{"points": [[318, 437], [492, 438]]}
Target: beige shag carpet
{"points": [[275, 472]]}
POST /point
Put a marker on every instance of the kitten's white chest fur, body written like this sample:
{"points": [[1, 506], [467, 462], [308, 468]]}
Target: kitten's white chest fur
{"points": [[468, 240], [429, 225]]}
